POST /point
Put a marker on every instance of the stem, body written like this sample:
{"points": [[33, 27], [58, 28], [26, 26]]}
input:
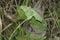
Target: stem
{"points": [[20, 26]]}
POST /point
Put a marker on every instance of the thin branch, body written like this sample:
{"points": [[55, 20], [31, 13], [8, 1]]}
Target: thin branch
{"points": [[0, 24], [6, 27]]}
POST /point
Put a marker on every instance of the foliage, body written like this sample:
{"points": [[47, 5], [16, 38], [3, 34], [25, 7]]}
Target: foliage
{"points": [[36, 21], [30, 19]]}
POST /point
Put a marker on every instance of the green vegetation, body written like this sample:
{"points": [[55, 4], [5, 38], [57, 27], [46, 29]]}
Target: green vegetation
{"points": [[30, 20]]}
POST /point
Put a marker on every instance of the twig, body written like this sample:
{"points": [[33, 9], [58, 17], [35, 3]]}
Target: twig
{"points": [[8, 16], [0, 24], [6, 27]]}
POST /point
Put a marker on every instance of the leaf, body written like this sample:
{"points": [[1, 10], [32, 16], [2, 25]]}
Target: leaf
{"points": [[34, 21], [36, 24], [58, 22], [37, 36], [24, 3], [30, 11], [21, 14], [37, 16]]}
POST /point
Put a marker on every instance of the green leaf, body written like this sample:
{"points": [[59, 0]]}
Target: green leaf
{"points": [[37, 16], [36, 19], [21, 13], [37, 36], [58, 22], [36, 24], [30, 11], [24, 3]]}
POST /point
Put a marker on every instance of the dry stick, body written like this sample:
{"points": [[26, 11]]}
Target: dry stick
{"points": [[16, 2], [6, 27], [36, 6], [0, 24], [20, 26], [40, 8], [8, 16], [3, 36], [1, 29]]}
